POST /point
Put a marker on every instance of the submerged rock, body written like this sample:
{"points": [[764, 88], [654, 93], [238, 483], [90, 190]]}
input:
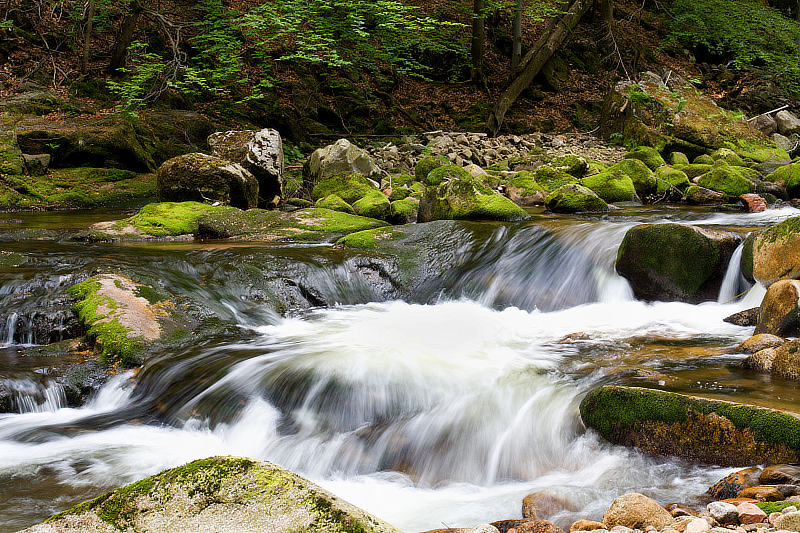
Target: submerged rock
{"points": [[217, 494], [199, 177], [758, 342], [709, 431], [748, 317], [675, 262]]}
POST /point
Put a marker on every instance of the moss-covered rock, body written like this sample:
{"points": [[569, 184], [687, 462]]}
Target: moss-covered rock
{"points": [[550, 178], [611, 186], [694, 170], [117, 319], [701, 196], [335, 203], [440, 175], [338, 158], [715, 432], [671, 182], [398, 192], [349, 186], [466, 199], [727, 155], [647, 155], [678, 158], [11, 259], [523, 190], [643, 179], [758, 151], [727, 180], [428, 163], [218, 494], [11, 162], [404, 211], [572, 164], [703, 159], [575, 198], [595, 167], [776, 252], [200, 177], [787, 176], [373, 205], [779, 313], [675, 261]]}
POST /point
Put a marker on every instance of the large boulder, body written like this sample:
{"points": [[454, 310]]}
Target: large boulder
{"points": [[780, 309], [523, 190], [260, 152], [574, 198], [675, 262], [466, 199], [200, 177], [647, 155], [636, 511], [776, 252], [349, 186], [699, 429], [727, 180], [786, 361], [341, 156], [643, 178], [217, 494], [611, 186], [787, 122]]}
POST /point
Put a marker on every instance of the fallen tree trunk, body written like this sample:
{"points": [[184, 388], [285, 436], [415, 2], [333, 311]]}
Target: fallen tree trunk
{"points": [[558, 30]]}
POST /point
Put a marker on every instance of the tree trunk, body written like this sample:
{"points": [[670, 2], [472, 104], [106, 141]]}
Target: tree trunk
{"points": [[87, 38], [607, 11], [557, 31], [478, 41], [125, 37], [516, 30]]}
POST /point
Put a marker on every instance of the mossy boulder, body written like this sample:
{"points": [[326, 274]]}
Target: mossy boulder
{"points": [[117, 317], [337, 158], [550, 178], [786, 360], [398, 192], [698, 429], [404, 211], [575, 198], [758, 151], [671, 182], [572, 164], [678, 158], [200, 177], [466, 199], [335, 203], [647, 155], [694, 170], [787, 176], [611, 186], [675, 262], [523, 190], [727, 180], [595, 167], [727, 155], [154, 221], [373, 205], [440, 175], [349, 186], [218, 494], [776, 252], [428, 163], [703, 159], [779, 313], [643, 179], [11, 161]]}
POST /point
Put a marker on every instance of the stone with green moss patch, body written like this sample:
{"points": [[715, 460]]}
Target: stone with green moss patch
{"points": [[335, 203], [523, 190], [727, 155], [404, 211], [716, 432], [550, 178], [220, 494], [440, 175], [611, 186], [703, 159], [466, 199], [399, 192], [427, 164], [373, 205], [572, 164], [776, 252], [167, 219], [759, 151], [694, 170], [675, 262], [11, 259], [671, 182], [11, 161], [200, 177], [678, 158], [774, 507], [647, 155], [789, 177], [575, 198], [643, 179], [349, 186], [727, 180]]}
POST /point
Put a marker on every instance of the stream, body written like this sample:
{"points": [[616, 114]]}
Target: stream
{"points": [[439, 406]]}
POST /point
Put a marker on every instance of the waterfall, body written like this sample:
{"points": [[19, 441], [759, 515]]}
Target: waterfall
{"points": [[733, 281]]}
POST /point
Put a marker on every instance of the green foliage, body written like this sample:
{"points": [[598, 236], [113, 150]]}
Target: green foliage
{"points": [[754, 35]]}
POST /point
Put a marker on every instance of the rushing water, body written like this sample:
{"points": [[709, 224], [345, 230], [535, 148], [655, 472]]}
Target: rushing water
{"points": [[443, 409]]}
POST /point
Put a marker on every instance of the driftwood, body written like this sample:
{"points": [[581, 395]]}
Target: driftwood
{"points": [[557, 31]]}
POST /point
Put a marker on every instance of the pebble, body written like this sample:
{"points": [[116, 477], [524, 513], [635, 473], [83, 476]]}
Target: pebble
{"points": [[484, 528]]}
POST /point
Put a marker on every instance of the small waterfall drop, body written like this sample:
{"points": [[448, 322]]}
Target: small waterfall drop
{"points": [[733, 281]]}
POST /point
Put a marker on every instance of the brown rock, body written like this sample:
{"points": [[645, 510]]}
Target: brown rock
{"points": [[540, 505], [586, 525], [676, 510], [731, 485], [504, 526], [778, 314], [749, 513], [776, 253], [537, 526], [682, 523], [753, 202], [778, 474], [636, 511], [763, 493], [702, 196], [746, 318], [761, 361], [786, 363], [738, 501], [759, 342]]}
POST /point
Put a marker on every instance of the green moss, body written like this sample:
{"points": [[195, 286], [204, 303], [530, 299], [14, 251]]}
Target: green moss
{"points": [[403, 179], [694, 170], [550, 178], [785, 174], [571, 164], [703, 159], [526, 181], [669, 177], [335, 203], [678, 158], [726, 180], [775, 507], [647, 155], [299, 202], [171, 218], [11, 259], [610, 408], [427, 164], [349, 186], [595, 167], [643, 179], [758, 151], [404, 211], [727, 155], [148, 293], [611, 186], [446, 173], [467, 199], [367, 240], [574, 198], [399, 192], [374, 205], [11, 161], [779, 232]]}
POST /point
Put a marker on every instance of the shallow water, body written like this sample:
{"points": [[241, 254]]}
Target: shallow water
{"points": [[444, 409]]}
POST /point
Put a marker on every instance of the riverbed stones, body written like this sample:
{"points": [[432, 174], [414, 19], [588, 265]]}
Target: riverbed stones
{"points": [[776, 252], [731, 485], [759, 342], [465, 198], [217, 494], [341, 156], [536, 526], [779, 313], [749, 513], [636, 511], [699, 429], [675, 262], [586, 525], [260, 152], [697, 195], [204, 178], [762, 493], [787, 122], [778, 474], [761, 361], [722, 512], [753, 202], [786, 361], [542, 505], [788, 521], [611, 186], [697, 525], [574, 198], [647, 155]]}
